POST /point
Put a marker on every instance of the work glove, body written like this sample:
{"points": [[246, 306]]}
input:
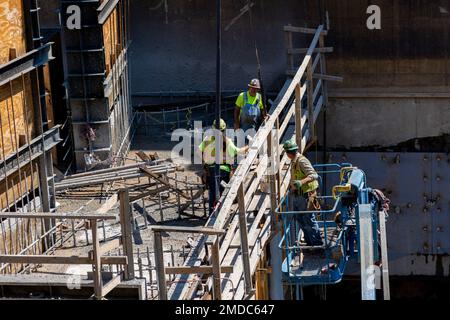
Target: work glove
{"points": [[297, 184]]}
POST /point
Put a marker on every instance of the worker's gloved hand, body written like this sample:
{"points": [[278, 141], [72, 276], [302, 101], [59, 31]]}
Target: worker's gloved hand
{"points": [[297, 184]]}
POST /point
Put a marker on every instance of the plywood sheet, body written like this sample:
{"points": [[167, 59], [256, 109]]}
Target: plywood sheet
{"points": [[16, 115], [12, 30]]}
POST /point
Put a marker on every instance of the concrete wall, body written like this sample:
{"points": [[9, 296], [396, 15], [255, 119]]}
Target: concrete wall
{"points": [[363, 122], [177, 51], [174, 50]]}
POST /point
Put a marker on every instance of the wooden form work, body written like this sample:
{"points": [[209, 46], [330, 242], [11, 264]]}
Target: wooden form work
{"points": [[216, 270], [96, 256], [251, 221]]}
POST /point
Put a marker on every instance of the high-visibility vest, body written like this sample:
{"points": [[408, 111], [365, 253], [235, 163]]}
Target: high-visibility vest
{"points": [[300, 175], [210, 158], [250, 113]]}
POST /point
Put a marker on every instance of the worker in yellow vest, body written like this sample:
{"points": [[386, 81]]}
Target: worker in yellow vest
{"points": [[303, 186], [249, 112], [228, 153]]}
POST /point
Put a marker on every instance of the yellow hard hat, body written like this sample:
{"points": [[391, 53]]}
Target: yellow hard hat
{"points": [[223, 125]]}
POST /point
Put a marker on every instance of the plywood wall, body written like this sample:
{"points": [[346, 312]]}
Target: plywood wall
{"points": [[17, 187], [12, 31], [16, 115], [112, 38]]}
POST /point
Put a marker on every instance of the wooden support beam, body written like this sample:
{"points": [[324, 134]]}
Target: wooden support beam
{"points": [[298, 115], [304, 30], [317, 108], [107, 247], [60, 215], [96, 266], [111, 284], [75, 260], [164, 182], [215, 259], [323, 70], [127, 239], [328, 77], [203, 230], [289, 45], [244, 239], [274, 163], [144, 157], [149, 193], [317, 89], [310, 102], [159, 265], [304, 50], [316, 61], [197, 269]]}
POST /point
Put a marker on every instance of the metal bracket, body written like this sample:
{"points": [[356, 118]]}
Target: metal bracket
{"points": [[25, 63], [28, 153]]}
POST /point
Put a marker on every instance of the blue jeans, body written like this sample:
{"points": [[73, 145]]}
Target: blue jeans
{"points": [[307, 222], [224, 176]]}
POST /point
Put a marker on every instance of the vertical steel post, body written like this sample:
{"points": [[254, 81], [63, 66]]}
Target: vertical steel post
{"points": [[218, 90], [366, 252]]}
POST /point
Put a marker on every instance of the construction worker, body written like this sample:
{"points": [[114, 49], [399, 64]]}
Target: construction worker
{"points": [[303, 186], [249, 112], [208, 152]]}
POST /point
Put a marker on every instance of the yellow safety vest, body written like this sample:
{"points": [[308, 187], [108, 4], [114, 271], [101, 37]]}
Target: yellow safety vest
{"points": [[210, 159], [300, 175]]}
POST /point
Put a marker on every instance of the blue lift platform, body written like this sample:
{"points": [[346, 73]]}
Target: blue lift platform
{"points": [[349, 222]]}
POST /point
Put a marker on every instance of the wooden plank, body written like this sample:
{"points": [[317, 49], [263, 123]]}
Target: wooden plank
{"points": [[59, 215], [289, 45], [304, 50], [298, 115], [12, 29], [96, 266], [310, 101], [109, 204], [75, 260], [256, 254], [318, 108], [323, 70], [229, 237], [159, 265], [149, 193], [317, 89], [107, 247], [304, 30], [127, 240], [181, 229], [111, 285], [237, 276], [316, 61], [328, 77], [244, 239], [164, 182], [215, 259], [197, 269], [144, 157]]}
